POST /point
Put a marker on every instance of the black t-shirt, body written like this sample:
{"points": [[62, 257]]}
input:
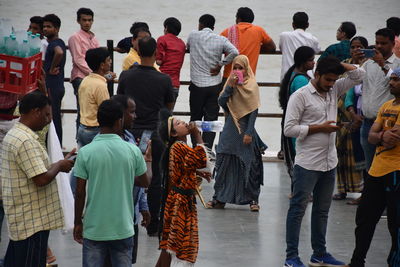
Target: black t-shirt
{"points": [[150, 89], [54, 80]]}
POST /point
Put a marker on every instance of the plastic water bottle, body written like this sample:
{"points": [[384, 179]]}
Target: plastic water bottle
{"points": [[210, 126], [34, 45], [24, 49], [12, 46]]}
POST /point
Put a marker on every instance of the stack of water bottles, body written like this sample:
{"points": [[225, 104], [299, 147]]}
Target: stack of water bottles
{"points": [[18, 43]]}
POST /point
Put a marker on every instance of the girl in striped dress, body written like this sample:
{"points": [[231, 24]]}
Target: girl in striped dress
{"points": [[179, 242]]}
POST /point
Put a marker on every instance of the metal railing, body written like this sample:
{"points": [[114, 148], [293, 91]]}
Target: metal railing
{"points": [[111, 49]]}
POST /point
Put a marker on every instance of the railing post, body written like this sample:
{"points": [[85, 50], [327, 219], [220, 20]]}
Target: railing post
{"points": [[110, 47]]}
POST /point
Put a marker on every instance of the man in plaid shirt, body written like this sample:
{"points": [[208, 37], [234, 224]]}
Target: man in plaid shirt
{"points": [[30, 195]]}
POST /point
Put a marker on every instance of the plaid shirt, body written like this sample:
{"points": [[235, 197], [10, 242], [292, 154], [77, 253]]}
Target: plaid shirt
{"points": [[206, 49], [28, 207], [340, 50]]}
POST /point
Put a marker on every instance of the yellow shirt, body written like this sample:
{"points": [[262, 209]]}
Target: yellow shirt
{"points": [[386, 160], [133, 58], [29, 208], [92, 92]]}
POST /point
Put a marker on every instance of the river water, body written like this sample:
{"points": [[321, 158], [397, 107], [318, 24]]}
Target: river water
{"points": [[113, 19]]}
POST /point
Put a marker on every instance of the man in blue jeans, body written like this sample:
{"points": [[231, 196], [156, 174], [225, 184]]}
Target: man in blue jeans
{"points": [[310, 118], [107, 166]]}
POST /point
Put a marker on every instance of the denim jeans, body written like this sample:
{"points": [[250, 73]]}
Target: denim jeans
{"points": [[369, 149], [94, 252], [75, 84], [85, 136], [321, 185]]}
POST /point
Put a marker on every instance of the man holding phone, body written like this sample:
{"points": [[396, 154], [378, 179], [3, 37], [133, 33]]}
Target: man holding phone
{"points": [[376, 84], [310, 117]]}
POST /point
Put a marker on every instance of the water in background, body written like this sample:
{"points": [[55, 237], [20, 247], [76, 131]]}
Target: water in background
{"points": [[113, 19]]}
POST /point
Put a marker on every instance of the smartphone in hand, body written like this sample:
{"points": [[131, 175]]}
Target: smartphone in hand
{"points": [[368, 53], [239, 74], [144, 140]]}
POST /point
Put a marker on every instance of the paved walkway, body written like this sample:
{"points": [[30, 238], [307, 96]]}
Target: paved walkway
{"points": [[235, 237]]}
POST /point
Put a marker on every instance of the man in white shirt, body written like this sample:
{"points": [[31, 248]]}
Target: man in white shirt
{"points": [[206, 50], [311, 115], [290, 41]]}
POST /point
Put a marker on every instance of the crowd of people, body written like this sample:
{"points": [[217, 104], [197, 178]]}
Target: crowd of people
{"points": [[340, 125]]}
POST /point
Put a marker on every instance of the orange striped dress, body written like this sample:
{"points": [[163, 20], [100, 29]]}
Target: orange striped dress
{"points": [[180, 231]]}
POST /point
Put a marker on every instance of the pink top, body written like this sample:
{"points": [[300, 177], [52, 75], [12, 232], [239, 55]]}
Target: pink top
{"points": [[79, 43]]}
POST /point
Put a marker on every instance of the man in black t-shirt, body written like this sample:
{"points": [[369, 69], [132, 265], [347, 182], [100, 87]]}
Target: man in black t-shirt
{"points": [[54, 67], [151, 91]]}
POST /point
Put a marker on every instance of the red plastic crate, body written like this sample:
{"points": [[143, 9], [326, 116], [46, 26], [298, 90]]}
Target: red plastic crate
{"points": [[19, 75]]}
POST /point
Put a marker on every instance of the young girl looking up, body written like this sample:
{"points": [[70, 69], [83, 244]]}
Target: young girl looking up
{"points": [[179, 242]]}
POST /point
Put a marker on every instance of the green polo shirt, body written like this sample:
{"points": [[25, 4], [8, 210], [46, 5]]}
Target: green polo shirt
{"points": [[109, 164]]}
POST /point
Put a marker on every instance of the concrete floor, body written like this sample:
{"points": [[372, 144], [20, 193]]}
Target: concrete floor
{"points": [[235, 237]]}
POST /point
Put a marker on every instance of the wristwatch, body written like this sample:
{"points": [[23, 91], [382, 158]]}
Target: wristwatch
{"points": [[385, 67]]}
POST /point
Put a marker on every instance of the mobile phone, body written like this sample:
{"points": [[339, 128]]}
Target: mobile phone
{"points": [[368, 53], [144, 140], [73, 157], [239, 74]]}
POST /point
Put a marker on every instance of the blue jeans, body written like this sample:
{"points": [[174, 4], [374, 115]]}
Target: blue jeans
{"points": [[75, 84], [94, 252], [85, 136], [369, 149], [321, 185]]}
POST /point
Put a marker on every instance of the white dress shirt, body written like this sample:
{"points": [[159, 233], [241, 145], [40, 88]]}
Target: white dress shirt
{"points": [[290, 41], [206, 50], [307, 107], [376, 90]]}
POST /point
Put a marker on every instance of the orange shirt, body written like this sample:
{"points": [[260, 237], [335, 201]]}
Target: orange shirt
{"points": [[251, 37]]}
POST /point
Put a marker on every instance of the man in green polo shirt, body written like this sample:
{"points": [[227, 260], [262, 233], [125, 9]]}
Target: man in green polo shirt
{"points": [[108, 166]]}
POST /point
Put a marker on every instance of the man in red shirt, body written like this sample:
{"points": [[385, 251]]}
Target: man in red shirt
{"points": [[171, 52]]}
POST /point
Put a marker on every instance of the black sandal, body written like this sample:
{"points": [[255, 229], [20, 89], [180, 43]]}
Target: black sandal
{"points": [[254, 207], [215, 204]]}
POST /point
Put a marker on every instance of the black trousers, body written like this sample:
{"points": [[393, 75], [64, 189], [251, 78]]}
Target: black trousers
{"points": [[30, 252], [203, 103], [56, 95], [154, 191], [379, 193]]}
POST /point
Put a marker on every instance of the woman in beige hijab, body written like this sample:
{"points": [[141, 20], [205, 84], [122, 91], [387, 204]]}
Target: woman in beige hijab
{"points": [[239, 169]]}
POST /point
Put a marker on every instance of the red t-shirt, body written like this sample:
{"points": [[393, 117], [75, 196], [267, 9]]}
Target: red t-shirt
{"points": [[171, 51]]}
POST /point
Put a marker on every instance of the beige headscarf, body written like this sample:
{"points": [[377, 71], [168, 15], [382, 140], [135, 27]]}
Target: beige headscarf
{"points": [[246, 97]]}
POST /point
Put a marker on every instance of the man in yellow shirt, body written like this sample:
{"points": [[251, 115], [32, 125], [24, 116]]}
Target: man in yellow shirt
{"points": [[92, 92], [382, 184], [133, 57]]}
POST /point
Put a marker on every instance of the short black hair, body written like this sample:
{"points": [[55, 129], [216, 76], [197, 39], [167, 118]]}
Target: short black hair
{"points": [[245, 14], [139, 30], [32, 100], [207, 21], [394, 24], [94, 57], [386, 32], [300, 20], [109, 112], [173, 25], [330, 64], [84, 11], [122, 99], [37, 20], [137, 25], [361, 39], [349, 28], [53, 19], [147, 46]]}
